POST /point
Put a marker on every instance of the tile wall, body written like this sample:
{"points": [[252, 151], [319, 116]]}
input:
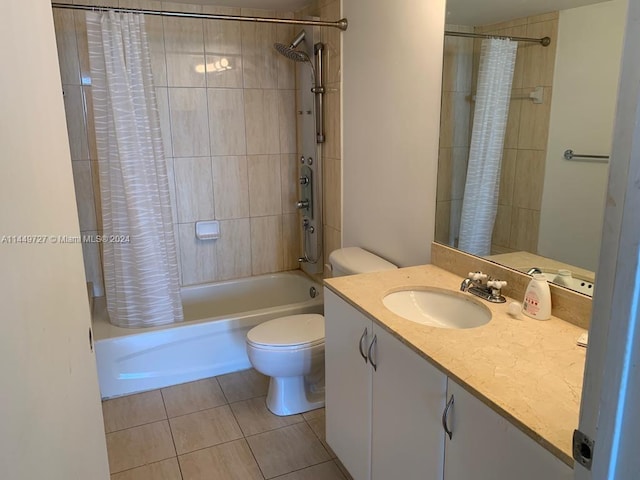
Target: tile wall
{"points": [[229, 136], [522, 173]]}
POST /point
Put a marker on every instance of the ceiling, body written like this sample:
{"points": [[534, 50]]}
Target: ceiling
{"points": [[485, 12]]}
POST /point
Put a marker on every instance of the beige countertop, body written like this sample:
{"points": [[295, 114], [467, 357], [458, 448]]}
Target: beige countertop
{"points": [[529, 371], [524, 261]]}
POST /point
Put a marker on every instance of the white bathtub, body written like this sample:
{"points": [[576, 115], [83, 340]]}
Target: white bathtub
{"points": [[211, 340]]}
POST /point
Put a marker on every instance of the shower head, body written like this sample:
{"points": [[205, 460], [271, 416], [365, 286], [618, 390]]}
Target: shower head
{"points": [[290, 52]]}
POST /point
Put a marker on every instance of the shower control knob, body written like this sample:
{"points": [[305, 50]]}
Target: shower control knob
{"points": [[303, 204], [304, 180]]}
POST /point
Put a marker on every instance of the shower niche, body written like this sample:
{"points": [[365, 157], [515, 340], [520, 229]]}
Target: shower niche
{"points": [[307, 51]]}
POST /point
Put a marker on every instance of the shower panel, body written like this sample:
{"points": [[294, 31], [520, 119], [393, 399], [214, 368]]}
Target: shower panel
{"points": [[308, 57]]}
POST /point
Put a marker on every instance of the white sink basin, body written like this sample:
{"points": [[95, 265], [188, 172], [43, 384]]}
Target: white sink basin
{"points": [[438, 308]]}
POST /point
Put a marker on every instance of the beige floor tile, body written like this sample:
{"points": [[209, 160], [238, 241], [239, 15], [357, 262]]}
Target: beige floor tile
{"points": [[192, 397], [164, 470], [342, 468], [133, 410], [316, 420], [204, 429], [139, 446], [243, 385], [254, 417], [229, 461], [324, 471], [287, 449]]}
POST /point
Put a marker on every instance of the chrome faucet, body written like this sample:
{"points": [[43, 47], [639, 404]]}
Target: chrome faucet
{"points": [[533, 270], [490, 291]]}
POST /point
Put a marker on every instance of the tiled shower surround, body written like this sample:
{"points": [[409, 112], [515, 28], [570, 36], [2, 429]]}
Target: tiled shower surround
{"points": [[227, 105]]}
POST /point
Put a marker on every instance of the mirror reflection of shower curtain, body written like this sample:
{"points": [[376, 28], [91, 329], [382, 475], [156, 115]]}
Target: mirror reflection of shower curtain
{"points": [[480, 203], [140, 270]]}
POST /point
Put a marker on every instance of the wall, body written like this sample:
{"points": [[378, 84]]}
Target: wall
{"points": [[392, 73], [582, 113], [51, 414], [229, 137]]}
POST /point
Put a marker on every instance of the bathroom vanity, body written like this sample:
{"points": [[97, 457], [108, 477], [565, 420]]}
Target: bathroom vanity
{"points": [[515, 385]]}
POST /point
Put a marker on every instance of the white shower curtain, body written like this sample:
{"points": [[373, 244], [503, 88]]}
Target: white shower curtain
{"points": [[480, 204], [139, 256]]}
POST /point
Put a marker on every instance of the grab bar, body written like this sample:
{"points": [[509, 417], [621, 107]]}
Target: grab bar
{"points": [[569, 155]]}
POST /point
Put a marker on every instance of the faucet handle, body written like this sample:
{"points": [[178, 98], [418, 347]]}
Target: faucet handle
{"points": [[477, 276], [497, 284]]}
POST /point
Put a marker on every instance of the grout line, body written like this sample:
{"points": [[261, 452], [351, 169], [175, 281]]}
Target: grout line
{"points": [[171, 433]]}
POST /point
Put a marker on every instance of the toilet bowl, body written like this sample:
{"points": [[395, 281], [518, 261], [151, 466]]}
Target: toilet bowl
{"points": [[290, 349]]}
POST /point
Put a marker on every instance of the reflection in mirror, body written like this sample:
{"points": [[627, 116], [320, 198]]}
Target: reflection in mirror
{"points": [[505, 190]]}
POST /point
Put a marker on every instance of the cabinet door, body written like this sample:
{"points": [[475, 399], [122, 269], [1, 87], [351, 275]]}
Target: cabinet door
{"points": [[485, 446], [407, 403], [348, 385]]}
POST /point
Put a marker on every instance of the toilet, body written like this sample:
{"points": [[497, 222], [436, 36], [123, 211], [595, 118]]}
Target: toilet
{"points": [[290, 349]]}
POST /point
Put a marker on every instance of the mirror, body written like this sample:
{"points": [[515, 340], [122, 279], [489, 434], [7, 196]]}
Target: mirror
{"points": [[548, 209]]}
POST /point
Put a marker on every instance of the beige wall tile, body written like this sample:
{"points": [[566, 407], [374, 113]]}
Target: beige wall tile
{"points": [[289, 181], [254, 417], [446, 120], [181, 7], [204, 429], [138, 446], [97, 194], [230, 186], [144, 4], [445, 168], [507, 177], [534, 123], [544, 17], [291, 240], [79, 18], [524, 229], [513, 120], [226, 121], [133, 410], [220, 10], [223, 48], [266, 245], [332, 129], [192, 397], [172, 190], [287, 120], [502, 226], [332, 189], [184, 50], [260, 59], [234, 249], [261, 120], [197, 257], [243, 385], [164, 470], [231, 461], [539, 61], [93, 265], [76, 127], [285, 67], [67, 47], [90, 125], [265, 194], [189, 122], [194, 189], [331, 38], [83, 184], [287, 449], [332, 241], [529, 179], [462, 127]]}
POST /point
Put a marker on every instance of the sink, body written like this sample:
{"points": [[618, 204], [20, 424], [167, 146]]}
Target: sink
{"points": [[437, 308]]}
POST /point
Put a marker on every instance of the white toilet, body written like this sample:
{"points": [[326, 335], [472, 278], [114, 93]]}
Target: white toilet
{"points": [[290, 349]]}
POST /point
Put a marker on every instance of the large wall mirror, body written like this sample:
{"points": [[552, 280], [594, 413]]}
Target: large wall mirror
{"points": [[506, 125]]}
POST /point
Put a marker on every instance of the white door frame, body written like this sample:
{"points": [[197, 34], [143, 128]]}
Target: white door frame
{"points": [[611, 394]]}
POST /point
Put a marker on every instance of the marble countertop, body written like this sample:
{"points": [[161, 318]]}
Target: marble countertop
{"points": [[523, 261], [528, 371]]}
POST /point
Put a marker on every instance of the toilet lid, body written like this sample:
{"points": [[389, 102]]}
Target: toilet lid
{"points": [[289, 331]]}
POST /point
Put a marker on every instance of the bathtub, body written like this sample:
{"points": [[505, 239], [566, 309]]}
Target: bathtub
{"points": [[211, 340]]}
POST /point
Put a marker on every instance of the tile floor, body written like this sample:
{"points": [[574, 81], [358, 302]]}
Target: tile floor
{"points": [[216, 428]]}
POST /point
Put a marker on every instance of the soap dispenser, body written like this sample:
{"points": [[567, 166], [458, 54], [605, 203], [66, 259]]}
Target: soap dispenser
{"points": [[537, 298]]}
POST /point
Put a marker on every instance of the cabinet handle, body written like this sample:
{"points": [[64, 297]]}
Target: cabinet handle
{"points": [[445, 416], [362, 354], [373, 342]]}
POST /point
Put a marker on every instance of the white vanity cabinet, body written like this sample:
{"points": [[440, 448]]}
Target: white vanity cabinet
{"points": [[486, 446], [387, 422], [383, 422]]}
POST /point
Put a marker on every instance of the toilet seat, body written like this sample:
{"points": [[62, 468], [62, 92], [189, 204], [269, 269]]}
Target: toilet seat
{"points": [[290, 332]]}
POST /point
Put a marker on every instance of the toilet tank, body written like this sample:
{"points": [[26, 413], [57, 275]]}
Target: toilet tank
{"points": [[353, 260]]}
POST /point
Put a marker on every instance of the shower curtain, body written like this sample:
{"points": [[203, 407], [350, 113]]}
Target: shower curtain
{"points": [[139, 252], [480, 203]]}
